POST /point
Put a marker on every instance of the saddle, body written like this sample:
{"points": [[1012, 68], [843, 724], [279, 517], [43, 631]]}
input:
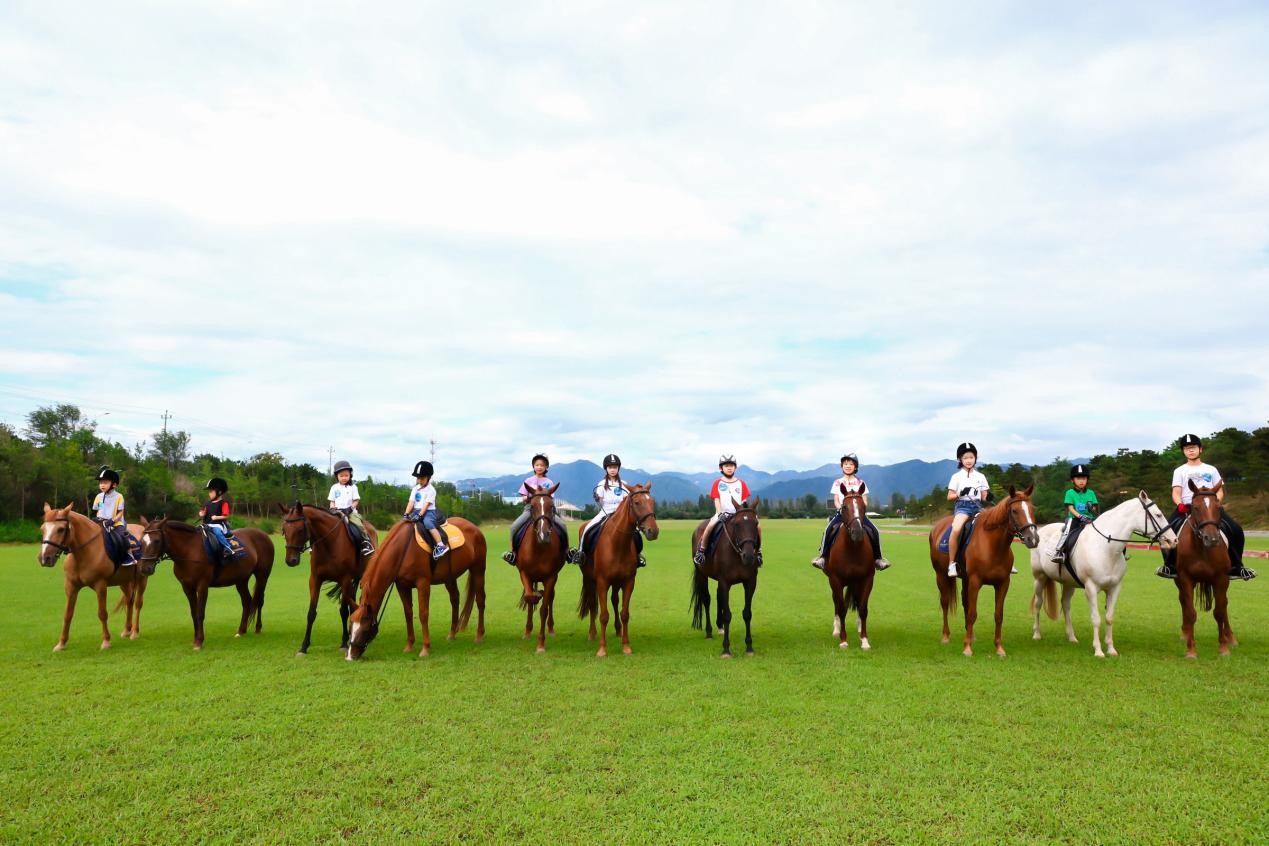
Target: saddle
{"points": [[967, 532], [217, 553], [454, 537], [120, 544], [354, 534], [519, 536]]}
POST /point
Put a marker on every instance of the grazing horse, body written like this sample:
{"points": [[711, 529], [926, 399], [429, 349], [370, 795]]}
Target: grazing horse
{"points": [[1098, 561], [612, 565], [734, 560], [186, 546], [851, 566], [87, 565], [539, 558], [403, 563], [987, 559], [333, 557], [1202, 568]]}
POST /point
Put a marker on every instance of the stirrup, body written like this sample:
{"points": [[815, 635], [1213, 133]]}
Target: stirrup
{"points": [[439, 550], [1058, 557], [509, 557], [1244, 573], [1165, 572], [881, 564], [642, 562], [574, 556], [818, 563], [699, 558]]}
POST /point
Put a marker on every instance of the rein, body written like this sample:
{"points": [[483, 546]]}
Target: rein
{"points": [[1154, 524], [59, 547], [1197, 525], [727, 533], [308, 542], [548, 517]]}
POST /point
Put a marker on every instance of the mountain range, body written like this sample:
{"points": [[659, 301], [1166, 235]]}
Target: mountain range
{"points": [[578, 478]]}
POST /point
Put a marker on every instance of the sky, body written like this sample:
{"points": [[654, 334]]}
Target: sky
{"points": [[666, 230]]}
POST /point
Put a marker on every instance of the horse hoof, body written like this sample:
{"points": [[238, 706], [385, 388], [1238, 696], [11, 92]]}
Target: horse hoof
{"points": [[423, 653], [551, 630], [946, 639], [1000, 653], [709, 635], [1099, 654], [134, 635], [1035, 635], [1112, 653], [480, 638], [967, 652], [198, 647], [59, 647], [1072, 640], [725, 655], [626, 650], [843, 645], [602, 653], [526, 634], [865, 645], [451, 636], [541, 650], [1191, 656], [749, 651], [105, 644]]}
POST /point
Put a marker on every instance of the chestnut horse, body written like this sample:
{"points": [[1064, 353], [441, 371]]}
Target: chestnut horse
{"points": [[184, 544], [987, 559], [850, 567], [612, 565], [333, 557], [1202, 568], [403, 563], [87, 565], [734, 560], [540, 558]]}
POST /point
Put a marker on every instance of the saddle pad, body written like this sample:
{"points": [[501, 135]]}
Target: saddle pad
{"points": [[215, 551], [967, 531], [118, 552], [520, 532], [454, 537]]}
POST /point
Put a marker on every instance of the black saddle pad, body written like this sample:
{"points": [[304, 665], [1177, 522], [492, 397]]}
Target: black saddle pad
{"points": [[215, 552], [519, 536], [967, 532], [592, 536], [119, 544]]}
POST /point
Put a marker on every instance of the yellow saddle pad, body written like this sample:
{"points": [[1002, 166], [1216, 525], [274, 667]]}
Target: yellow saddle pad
{"points": [[453, 536]]}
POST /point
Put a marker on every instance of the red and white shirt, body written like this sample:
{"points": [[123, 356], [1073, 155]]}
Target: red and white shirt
{"points": [[729, 493], [852, 483]]}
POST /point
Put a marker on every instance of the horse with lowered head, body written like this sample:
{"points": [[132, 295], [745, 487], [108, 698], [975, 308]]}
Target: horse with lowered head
{"points": [[66, 531]]}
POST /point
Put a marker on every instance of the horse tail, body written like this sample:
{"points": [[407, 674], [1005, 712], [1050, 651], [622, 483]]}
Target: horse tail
{"points": [[586, 602], [700, 595], [334, 592], [264, 566], [852, 598], [123, 599], [1204, 595], [469, 598], [1050, 599]]}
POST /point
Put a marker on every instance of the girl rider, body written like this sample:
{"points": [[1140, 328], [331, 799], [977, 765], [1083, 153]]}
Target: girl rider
{"points": [[852, 483], [538, 480], [609, 493], [967, 488]]}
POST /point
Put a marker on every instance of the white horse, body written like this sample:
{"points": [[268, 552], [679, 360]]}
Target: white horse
{"points": [[1099, 562]]}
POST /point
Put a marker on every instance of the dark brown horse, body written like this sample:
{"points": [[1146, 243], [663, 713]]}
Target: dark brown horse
{"points": [[850, 567], [87, 565], [403, 563], [612, 565], [540, 557], [184, 544], [987, 559], [333, 557], [733, 560], [1202, 569]]}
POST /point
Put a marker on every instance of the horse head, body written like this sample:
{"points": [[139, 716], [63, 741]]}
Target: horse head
{"points": [[1154, 525], [57, 535], [853, 511], [743, 533], [364, 627], [1022, 516], [153, 544], [294, 531], [644, 510], [542, 507], [1205, 513]]}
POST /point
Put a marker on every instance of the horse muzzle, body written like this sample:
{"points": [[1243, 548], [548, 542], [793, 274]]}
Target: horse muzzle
{"points": [[147, 566], [47, 560], [1030, 537]]}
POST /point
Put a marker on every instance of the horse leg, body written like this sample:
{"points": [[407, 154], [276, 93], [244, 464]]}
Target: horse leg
{"points": [[1090, 590], [1002, 590], [1220, 611], [601, 600], [102, 613], [528, 617], [245, 595], [1067, 592], [627, 590], [425, 601], [747, 614], [840, 611], [971, 612], [548, 599], [191, 596], [451, 587], [314, 588], [138, 600], [1185, 590], [947, 598], [615, 596], [550, 603], [703, 590], [864, 593], [200, 601], [72, 595], [1037, 604], [127, 610], [476, 582], [407, 605], [724, 615], [531, 596]]}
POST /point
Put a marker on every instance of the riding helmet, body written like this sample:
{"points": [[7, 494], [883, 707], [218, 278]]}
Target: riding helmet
{"points": [[726, 459], [341, 465], [540, 456], [215, 483], [105, 474], [423, 468], [850, 456], [611, 460], [964, 448], [1190, 440], [1079, 470]]}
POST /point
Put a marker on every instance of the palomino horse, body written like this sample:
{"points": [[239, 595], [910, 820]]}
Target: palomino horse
{"points": [[333, 557], [185, 545], [987, 559], [612, 565], [402, 562], [851, 566], [87, 565], [1098, 561], [1202, 568], [734, 560], [540, 557]]}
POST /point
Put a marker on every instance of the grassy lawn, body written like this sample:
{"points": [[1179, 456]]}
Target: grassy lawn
{"points": [[150, 742]]}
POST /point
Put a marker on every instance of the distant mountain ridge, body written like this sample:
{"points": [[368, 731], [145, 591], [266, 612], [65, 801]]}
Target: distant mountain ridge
{"points": [[578, 478]]}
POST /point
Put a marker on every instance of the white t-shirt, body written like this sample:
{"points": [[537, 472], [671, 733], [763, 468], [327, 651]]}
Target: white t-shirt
{"points": [[972, 479], [729, 494], [1204, 476], [422, 496], [852, 483], [343, 495], [610, 498]]}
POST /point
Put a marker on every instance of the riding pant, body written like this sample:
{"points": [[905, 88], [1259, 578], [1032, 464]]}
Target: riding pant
{"points": [[525, 516]]}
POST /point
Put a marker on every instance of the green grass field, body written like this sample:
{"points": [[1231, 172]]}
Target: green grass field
{"points": [[150, 742]]}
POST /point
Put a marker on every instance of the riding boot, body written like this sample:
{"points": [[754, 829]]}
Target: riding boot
{"points": [[1168, 570]]}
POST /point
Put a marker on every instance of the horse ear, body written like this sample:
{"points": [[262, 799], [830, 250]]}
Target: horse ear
{"points": [[282, 509], [47, 507], [1030, 489], [555, 487], [842, 487], [70, 506], [1141, 495], [1193, 487], [145, 521], [1218, 485], [1013, 491], [863, 489], [754, 504], [649, 487]]}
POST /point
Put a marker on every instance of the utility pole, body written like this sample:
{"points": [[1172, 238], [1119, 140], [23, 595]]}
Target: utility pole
{"points": [[166, 417], [432, 442], [330, 460]]}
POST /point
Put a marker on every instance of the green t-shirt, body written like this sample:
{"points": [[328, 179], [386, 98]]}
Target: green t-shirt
{"points": [[1081, 501]]}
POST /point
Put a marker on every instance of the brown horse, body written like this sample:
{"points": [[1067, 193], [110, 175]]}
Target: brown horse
{"points": [[184, 544], [734, 560], [987, 559], [87, 565], [1202, 569], [402, 562], [850, 567], [333, 557], [612, 565], [540, 558]]}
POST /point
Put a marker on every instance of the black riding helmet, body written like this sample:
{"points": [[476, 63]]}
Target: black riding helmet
{"points": [[217, 484], [1078, 470], [105, 474], [964, 448], [1190, 440], [423, 468], [726, 459], [611, 460]]}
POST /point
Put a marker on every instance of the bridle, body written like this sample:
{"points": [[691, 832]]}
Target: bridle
{"points": [[307, 544], [1197, 525], [751, 541], [1146, 506], [1016, 530], [66, 530], [162, 546], [639, 518], [547, 515], [856, 518]]}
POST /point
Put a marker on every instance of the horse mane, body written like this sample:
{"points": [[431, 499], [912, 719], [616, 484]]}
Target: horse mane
{"points": [[179, 526], [998, 515]]}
